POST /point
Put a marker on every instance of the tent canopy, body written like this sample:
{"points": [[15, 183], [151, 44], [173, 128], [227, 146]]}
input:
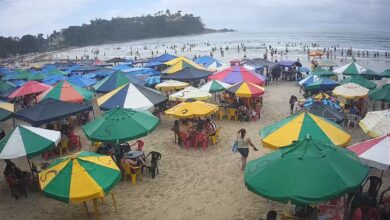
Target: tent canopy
{"points": [[237, 74], [188, 74], [360, 80]]}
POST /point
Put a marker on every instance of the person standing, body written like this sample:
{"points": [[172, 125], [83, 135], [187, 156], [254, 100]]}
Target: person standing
{"points": [[291, 102], [243, 146]]}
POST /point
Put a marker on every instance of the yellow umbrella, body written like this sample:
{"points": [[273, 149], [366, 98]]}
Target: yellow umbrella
{"points": [[181, 63], [192, 109], [351, 91], [171, 85]]}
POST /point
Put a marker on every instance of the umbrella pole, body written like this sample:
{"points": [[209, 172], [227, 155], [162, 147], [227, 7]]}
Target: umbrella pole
{"points": [[95, 207], [29, 164], [13, 120], [85, 207], [113, 200]]}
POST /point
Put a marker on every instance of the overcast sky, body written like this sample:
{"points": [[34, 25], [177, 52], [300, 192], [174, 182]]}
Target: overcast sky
{"points": [[19, 17]]}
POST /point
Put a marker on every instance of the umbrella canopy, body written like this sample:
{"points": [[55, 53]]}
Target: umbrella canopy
{"points": [[371, 74], [350, 69], [316, 53], [28, 141], [321, 84], [188, 74], [386, 73], [81, 81], [99, 73], [245, 89], [237, 74], [297, 126], [308, 80], [111, 82], [7, 110], [6, 88], [67, 92], [376, 123], [190, 93], [321, 95], [131, 96], [79, 177], [320, 109], [214, 86], [308, 171], [28, 88], [360, 80], [326, 101], [322, 72], [381, 94], [160, 60], [350, 91], [50, 110], [180, 63], [121, 124], [209, 62], [374, 152], [171, 85], [153, 80], [192, 109], [303, 69]]}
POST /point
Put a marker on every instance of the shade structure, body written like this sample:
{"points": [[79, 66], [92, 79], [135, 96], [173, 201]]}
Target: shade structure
{"points": [[214, 86], [121, 124], [99, 73], [350, 91], [321, 84], [326, 101], [28, 141], [360, 80], [131, 96], [160, 60], [371, 74], [79, 177], [237, 74], [111, 82], [190, 93], [246, 89], [7, 110], [321, 95], [171, 85], [375, 152], [116, 60], [67, 92], [308, 80], [50, 110], [30, 87], [209, 62], [81, 81], [188, 74], [192, 109], [303, 69], [180, 63], [381, 94], [297, 126], [320, 72], [320, 109], [6, 88], [386, 73], [350, 69], [376, 123], [153, 80], [308, 171]]}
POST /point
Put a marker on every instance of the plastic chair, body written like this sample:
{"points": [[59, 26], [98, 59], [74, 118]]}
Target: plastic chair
{"points": [[74, 141], [153, 168], [357, 214], [64, 146], [352, 118], [96, 145], [133, 171], [184, 138], [214, 138], [201, 138], [232, 113], [221, 113]]}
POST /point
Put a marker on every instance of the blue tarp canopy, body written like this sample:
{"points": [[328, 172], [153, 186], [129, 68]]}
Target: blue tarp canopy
{"points": [[81, 81], [160, 60]]}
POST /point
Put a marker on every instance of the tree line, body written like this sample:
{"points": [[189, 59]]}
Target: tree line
{"points": [[99, 31]]}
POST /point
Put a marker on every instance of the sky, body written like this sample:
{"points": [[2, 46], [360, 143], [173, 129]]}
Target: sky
{"points": [[20, 17]]}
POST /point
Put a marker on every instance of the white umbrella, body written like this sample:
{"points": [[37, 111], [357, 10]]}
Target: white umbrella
{"points": [[351, 91], [171, 85], [376, 123], [190, 93]]}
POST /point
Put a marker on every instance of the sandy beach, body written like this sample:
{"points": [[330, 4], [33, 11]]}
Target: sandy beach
{"points": [[191, 184]]}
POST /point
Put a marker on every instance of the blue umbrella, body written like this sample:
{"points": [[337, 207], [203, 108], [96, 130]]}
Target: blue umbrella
{"points": [[82, 81], [303, 69], [54, 79], [153, 80]]}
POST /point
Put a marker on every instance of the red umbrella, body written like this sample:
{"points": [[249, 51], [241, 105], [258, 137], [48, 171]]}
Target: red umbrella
{"points": [[237, 74], [29, 87]]}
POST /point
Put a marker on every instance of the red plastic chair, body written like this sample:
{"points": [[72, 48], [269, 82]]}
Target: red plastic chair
{"points": [[201, 138], [74, 141], [184, 138], [357, 214]]}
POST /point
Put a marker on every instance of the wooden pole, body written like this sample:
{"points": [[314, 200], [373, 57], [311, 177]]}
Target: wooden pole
{"points": [[113, 200]]}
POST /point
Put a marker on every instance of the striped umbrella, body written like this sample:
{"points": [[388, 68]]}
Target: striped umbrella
{"points": [[297, 126], [111, 82], [350, 69], [376, 123], [237, 74], [374, 152], [320, 72], [180, 63], [350, 91], [67, 92], [360, 80], [28, 88], [308, 80], [246, 89], [7, 110], [214, 86], [381, 94], [321, 84], [386, 73], [171, 85], [79, 177], [28, 141], [131, 96]]}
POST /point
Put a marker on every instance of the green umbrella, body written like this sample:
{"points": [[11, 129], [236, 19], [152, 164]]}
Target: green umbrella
{"points": [[322, 72], [381, 94], [22, 74], [371, 74], [305, 172], [121, 125], [37, 77], [386, 73], [6, 86], [360, 80]]}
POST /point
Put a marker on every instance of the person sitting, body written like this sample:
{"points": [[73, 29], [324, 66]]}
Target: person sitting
{"points": [[210, 127], [15, 178], [354, 110], [134, 162], [243, 114]]}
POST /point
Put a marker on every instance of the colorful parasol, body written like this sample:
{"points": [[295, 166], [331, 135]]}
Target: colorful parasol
{"points": [[350, 91], [192, 109], [67, 92], [245, 89], [111, 82], [360, 80], [350, 69], [237, 74], [30, 87], [7, 110], [180, 63], [381, 94], [214, 86]]}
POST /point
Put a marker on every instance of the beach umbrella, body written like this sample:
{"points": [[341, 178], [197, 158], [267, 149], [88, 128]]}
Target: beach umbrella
{"points": [[79, 177], [326, 63], [320, 72], [81, 81], [51, 80], [371, 74], [386, 73], [376, 123], [350, 91], [28, 141], [6, 88], [209, 62], [67, 92], [325, 101], [321, 95], [30, 87], [111, 82], [303, 69], [142, 71], [103, 72], [296, 126], [360, 80], [381, 94], [121, 67], [374, 152], [214, 86], [192, 109], [246, 89], [180, 63], [308, 171], [23, 74], [237, 74], [190, 93], [320, 109], [160, 60], [131, 96], [121, 124], [308, 80], [188, 74], [7, 110], [316, 53], [37, 76], [171, 85], [321, 84], [350, 69], [153, 80]]}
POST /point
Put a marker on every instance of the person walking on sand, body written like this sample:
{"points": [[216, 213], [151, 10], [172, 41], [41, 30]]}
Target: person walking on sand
{"points": [[243, 146]]}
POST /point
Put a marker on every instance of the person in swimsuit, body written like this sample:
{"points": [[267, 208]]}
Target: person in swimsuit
{"points": [[243, 146]]}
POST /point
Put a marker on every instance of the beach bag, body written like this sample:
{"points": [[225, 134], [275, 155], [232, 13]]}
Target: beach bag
{"points": [[235, 146]]}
